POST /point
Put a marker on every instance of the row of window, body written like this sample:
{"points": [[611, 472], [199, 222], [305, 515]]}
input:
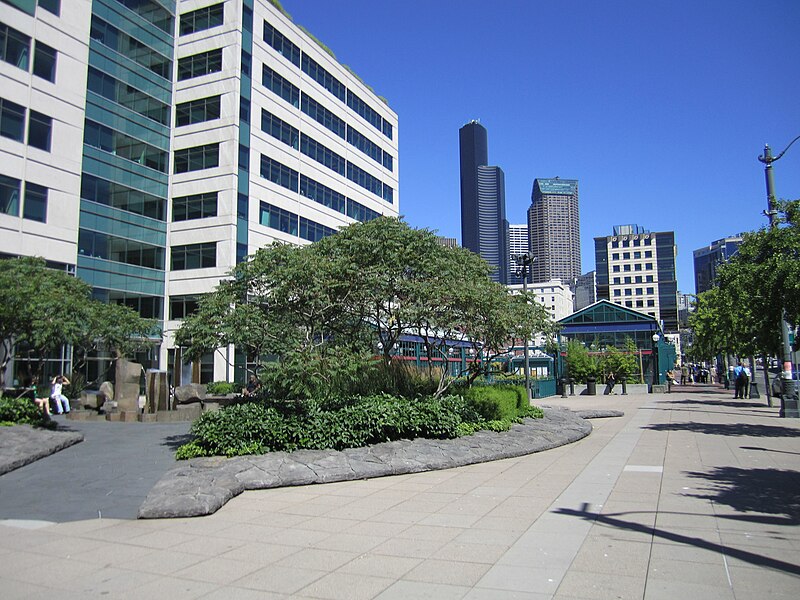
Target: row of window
{"points": [[130, 252], [281, 44], [196, 158], [130, 47], [196, 206], [200, 64], [198, 111], [636, 267], [15, 49], [152, 11], [288, 222], [128, 96], [638, 291], [202, 19], [34, 207], [291, 94], [124, 198], [12, 125], [638, 304], [637, 279], [194, 256], [634, 242], [124, 146], [636, 254]]}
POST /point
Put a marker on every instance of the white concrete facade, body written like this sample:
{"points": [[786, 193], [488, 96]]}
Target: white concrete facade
{"points": [[554, 295]]}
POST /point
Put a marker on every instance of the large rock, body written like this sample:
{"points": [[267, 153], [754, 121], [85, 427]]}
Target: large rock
{"points": [[191, 392], [126, 388]]}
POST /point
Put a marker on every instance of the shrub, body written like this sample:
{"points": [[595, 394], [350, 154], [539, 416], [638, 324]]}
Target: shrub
{"points": [[497, 402], [15, 411], [223, 388]]}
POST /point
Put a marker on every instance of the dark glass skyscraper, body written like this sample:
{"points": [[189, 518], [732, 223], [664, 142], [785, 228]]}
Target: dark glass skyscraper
{"points": [[484, 228], [555, 230]]}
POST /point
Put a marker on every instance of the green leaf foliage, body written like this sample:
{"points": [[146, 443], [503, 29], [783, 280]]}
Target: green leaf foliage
{"points": [[580, 364], [22, 411]]}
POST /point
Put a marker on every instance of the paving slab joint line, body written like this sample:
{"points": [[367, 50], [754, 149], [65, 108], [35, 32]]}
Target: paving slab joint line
{"points": [[204, 485]]}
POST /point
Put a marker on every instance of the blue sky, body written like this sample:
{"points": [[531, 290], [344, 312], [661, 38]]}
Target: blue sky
{"points": [[659, 108]]}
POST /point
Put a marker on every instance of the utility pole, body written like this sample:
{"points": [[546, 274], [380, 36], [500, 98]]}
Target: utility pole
{"points": [[789, 404], [526, 261]]}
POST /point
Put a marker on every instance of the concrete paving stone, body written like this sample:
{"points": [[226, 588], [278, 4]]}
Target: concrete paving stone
{"points": [[487, 536], [601, 586], [112, 582], [408, 548], [397, 516], [487, 594], [231, 592], [473, 553], [110, 554], [613, 557], [416, 590], [283, 580], [688, 572], [449, 572], [447, 519], [769, 583], [261, 554], [521, 579], [318, 559], [346, 586], [207, 546], [173, 588], [663, 589], [686, 552], [431, 532], [380, 565]]}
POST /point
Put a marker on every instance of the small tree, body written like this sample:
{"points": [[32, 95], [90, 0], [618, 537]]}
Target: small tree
{"points": [[580, 364]]}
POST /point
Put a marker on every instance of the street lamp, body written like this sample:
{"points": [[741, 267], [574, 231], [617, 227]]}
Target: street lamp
{"points": [[789, 406], [525, 260], [656, 374]]}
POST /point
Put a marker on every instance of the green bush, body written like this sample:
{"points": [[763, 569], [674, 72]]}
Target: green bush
{"points": [[15, 411], [269, 425], [223, 388], [497, 402]]}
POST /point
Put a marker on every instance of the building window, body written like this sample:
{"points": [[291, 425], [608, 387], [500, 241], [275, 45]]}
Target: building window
{"points": [[202, 19], [39, 129], [200, 64], [15, 47], [637, 267], [280, 86], [181, 307], [323, 116], [319, 74], [278, 218], [627, 279], [638, 291], [615, 268], [626, 268], [629, 303], [651, 303], [198, 111], [52, 6], [639, 303], [615, 256], [9, 195], [615, 244], [130, 252], [322, 154], [130, 47], [617, 293], [628, 292], [197, 158], [197, 206], [322, 194], [359, 212], [279, 173], [12, 120], [124, 198], [649, 266], [648, 254], [626, 255], [364, 110], [125, 95], [244, 109], [616, 280], [279, 129], [281, 44], [648, 278], [244, 158], [313, 232], [194, 256], [44, 61], [637, 254], [368, 147], [638, 279], [35, 207], [364, 179], [651, 290], [109, 140]]}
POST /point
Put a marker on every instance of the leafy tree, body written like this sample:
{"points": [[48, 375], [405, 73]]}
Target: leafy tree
{"points": [[42, 309], [623, 363], [580, 364]]}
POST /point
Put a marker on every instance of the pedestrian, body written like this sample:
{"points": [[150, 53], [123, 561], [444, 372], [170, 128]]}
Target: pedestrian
{"points": [[684, 374], [57, 395], [746, 382], [610, 383], [738, 380]]}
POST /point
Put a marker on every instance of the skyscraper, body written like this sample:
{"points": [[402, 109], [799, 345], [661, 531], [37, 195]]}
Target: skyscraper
{"points": [[707, 260], [554, 229], [484, 229], [518, 243], [168, 139], [636, 269]]}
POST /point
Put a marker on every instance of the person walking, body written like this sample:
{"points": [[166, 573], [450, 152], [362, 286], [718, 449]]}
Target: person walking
{"points": [[738, 381], [746, 383], [57, 395]]}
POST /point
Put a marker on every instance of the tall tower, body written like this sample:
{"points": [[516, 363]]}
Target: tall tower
{"points": [[554, 226], [518, 243], [484, 228]]}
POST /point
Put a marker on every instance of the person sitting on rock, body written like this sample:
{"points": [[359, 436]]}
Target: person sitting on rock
{"points": [[56, 394]]}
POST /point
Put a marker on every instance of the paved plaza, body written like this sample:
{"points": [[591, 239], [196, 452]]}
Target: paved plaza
{"points": [[689, 495]]}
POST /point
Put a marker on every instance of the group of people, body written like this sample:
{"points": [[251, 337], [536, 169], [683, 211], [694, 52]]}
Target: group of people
{"points": [[741, 376], [694, 373], [57, 396]]}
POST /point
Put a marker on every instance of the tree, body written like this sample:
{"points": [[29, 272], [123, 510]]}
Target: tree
{"points": [[43, 309], [580, 364]]}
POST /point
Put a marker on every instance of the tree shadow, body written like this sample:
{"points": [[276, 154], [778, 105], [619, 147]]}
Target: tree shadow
{"points": [[732, 429], [718, 403], [173, 442], [768, 450], [772, 491], [743, 555]]}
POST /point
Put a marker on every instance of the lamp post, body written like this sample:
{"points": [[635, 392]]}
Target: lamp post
{"points": [[526, 261], [789, 407], [656, 378]]}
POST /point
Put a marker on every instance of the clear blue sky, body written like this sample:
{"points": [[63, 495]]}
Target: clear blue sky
{"points": [[659, 108]]}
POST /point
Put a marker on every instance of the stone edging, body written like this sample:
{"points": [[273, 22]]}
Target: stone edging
{"points": [[203, 485], [21, 445]]}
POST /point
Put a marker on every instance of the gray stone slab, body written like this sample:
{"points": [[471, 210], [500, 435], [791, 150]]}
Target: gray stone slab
{"points": [[21, 445]]}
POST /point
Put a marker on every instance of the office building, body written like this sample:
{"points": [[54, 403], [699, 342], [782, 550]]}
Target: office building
{"points": [[154, 144], [555, 296], [484, 229], [585, 290], [635, 268], [518, 244], [554, 229], [707, 260]]}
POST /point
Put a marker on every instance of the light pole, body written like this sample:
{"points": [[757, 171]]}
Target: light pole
{"points": [[789, 407], [526, 261], [656, 377]]}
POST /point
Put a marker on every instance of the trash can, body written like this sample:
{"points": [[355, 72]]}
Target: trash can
{"points": [[591, 386]]}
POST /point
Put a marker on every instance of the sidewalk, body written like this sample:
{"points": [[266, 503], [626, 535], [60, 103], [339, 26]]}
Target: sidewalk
{"points": [[690, 495]]}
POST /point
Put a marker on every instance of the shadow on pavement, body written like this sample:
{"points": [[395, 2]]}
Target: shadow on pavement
{"points": [[733, 429], [771, 491], [173, 442], [743, 555], [768, 450], [718, 403]]}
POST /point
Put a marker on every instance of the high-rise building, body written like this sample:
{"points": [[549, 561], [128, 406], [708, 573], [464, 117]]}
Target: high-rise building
{"points": [[484, 228], [635, 268], [707, 260], [518, 244], [585, 290], [555, 230], [150, 145]]}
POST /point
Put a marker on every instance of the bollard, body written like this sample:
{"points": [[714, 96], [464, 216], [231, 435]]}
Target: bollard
{"points": [[624, 383], [754, 390], [571, 387], [563, 387]]}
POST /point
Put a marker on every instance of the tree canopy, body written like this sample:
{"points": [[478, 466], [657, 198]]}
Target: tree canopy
{"points": [[361, 289], [741, 315], [42, 309]]}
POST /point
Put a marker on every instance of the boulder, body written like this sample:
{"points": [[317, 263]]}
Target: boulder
{"points": [[189, 393], [126, 388]]}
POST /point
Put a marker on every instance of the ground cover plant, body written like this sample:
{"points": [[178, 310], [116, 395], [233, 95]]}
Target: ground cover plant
{"points": [[22, 411]]}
